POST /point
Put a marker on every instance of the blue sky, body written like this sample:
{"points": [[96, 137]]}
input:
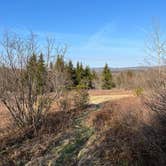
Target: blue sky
{"points": [[96, 31]]}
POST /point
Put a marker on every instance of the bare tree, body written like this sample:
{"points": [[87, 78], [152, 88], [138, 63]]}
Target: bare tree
{"points": [[19, 85], [50, 46], [156, 99], [156, 47]]}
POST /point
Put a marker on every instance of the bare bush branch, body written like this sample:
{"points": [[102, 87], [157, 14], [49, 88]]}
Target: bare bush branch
{"points": [[25, 87]]}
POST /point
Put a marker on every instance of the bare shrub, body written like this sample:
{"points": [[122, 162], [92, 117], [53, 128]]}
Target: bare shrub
{"points": [[155, 100], [123, 137], [156, 49], [66, 102], [19, 85]]}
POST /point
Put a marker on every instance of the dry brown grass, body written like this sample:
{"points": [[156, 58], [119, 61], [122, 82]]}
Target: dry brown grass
{"points": [[5, 121], [125, 135], [96, 97], [117, 109], [109, 92], [100, 96], [22, 146]]}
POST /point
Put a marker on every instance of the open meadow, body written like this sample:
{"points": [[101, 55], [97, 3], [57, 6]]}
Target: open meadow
{"points": [[115, 128], [100, 96], [83, 83], [96, 97]]}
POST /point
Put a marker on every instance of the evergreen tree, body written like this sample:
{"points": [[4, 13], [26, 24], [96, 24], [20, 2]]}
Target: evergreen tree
{"points": [[79, 73], [31, 70], [70, 67], [41, 73], [36, 72], [32, 66], [88, 78], [107, 82], [94, 75], [60, 64], [85, 76], [71, 73]]}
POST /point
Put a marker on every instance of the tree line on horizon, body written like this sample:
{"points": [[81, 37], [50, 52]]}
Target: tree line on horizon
{"points": [[75, 76]]}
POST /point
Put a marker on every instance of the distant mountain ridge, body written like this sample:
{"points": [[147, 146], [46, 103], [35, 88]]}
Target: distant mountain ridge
{"points": [[118, 69]]}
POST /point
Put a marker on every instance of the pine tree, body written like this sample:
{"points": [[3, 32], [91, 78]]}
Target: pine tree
{"points": [[36, 72], [85, 76], [60, 64], [94, 75], [88, 78], [107, 82], [32, 66], [41, 73], [29, 75], [79, 73], [71, 73]]}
